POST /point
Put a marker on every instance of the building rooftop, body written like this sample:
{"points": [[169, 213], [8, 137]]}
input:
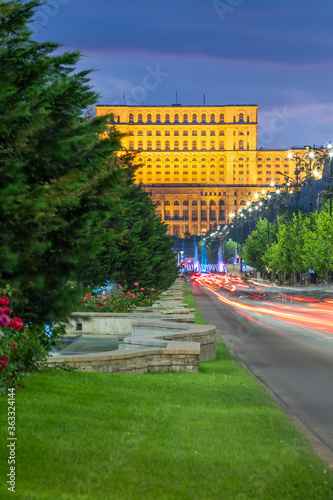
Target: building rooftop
{"points": [[174, 105]]}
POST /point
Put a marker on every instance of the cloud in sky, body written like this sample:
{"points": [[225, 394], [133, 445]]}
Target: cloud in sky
{"points": [[274, 54]]}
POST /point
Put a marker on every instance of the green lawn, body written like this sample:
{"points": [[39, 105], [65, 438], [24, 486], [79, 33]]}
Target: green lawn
{"points": [[211, 435]]}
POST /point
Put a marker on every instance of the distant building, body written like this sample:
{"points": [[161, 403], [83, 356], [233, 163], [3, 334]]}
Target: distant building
{"points": [[199, 163]]}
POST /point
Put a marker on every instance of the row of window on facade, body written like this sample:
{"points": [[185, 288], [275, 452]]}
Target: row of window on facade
{"points": [[221, 159], [175, 229], [185, 145], [213, 215], [213, 118], [194, 132], [195, 203]]}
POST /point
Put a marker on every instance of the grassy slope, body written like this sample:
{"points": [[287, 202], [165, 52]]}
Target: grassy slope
{"points": [[211, 435]]}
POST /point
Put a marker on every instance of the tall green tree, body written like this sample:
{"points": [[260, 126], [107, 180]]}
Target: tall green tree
{"points": [[139, 249], [56, 188], [318, 243], [255, 246]]}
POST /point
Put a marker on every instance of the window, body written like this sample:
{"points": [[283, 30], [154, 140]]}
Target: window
{"points": [[194, 144], [203, 132], [149, 132], [167, 132], [149, 145], [131, 118], [203, 203], [131, 145], [242, 202], [185, 214], [194, 203], [167, 118], [241, 117], [203, 118], [194, 118], [176, 146], [158, 145], [158, 132], [194, 132], [203, 144], [167, 203], [176, 119], [176, 132], [221, 203], [185, 118], [212, 132], [212, 144], [167, 145], [241, 144], [140, 118], [140, 146], [176, 202], [185, 132], [185, 203], [176, 214], [203, 214], [194, 214], [212, 118], [140, 132], [221, 118], [221, 214], [185, 145], [158, 118], [149, 118], [221, 145], [212, 215]]}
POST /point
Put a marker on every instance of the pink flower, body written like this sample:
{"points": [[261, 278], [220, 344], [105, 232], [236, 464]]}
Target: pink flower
{"points": [[16, 324], [4, 301], [4, 362], [14, 346], [133, 296], [99, 305], [7, 311], [119, 286], [136, 283], [4, 318], [128, 293], [142, 289], [87, 296]]}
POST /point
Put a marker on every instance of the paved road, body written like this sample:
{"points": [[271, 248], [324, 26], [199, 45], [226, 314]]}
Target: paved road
{"points": [[294, 362]]}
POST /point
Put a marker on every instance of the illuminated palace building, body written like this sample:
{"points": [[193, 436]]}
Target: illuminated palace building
{"points": [[199, 163]]}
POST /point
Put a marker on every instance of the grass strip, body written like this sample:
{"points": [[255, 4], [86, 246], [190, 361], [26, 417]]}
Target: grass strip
{"points": [[211, 435], [190, 301]]}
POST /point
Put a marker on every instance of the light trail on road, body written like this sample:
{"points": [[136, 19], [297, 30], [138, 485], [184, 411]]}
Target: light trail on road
{"points": [[296, 314]]}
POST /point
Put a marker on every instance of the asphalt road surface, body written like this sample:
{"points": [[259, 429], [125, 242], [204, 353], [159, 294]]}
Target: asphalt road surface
{"points": [[288, 348]]}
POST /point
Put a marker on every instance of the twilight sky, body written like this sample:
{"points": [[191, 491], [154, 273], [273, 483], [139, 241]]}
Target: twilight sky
{"points": [[276, 54]]}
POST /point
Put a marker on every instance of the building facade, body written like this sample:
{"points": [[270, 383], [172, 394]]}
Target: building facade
{"points": [[199, 163]]}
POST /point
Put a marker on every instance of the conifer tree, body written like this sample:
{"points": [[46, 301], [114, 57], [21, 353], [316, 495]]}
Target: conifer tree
{"points": [[56, 189], [138, 250]]}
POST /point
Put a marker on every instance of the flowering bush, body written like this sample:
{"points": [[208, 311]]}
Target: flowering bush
{"points": [[22, 348], [124, 300]]}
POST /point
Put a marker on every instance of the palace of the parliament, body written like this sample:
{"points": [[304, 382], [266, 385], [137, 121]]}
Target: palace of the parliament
{"points": [[199, 163]]}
